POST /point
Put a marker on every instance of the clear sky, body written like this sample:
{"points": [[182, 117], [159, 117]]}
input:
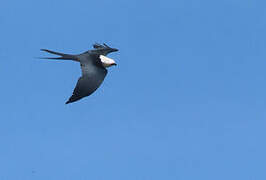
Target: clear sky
{"points": [[187, 100]]}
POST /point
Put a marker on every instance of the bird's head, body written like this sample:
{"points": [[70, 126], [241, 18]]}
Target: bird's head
{"points": [[103, 49]]}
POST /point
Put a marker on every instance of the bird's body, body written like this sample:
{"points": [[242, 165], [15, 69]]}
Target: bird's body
{"points": [[93, 66]]}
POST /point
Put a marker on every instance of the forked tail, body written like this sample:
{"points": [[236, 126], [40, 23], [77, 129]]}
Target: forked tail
{"points": [[63, 56]]}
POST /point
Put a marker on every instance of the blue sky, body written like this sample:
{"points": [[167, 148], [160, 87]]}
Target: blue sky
{"points": [[187, 100]]}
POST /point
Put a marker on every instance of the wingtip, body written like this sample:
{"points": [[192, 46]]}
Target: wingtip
{"points": [[69, 101]]}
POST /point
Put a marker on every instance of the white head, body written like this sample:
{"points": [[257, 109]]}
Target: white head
{"points": [[106, 61]]}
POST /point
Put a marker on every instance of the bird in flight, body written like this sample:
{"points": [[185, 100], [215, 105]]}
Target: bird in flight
{"points": [[93, 66]]}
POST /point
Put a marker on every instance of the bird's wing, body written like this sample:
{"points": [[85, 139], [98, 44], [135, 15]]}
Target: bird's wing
{"points": [[91, 79]]}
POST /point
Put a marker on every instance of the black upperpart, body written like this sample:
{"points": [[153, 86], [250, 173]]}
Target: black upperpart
{"points": [[93, 70], [102, 49]]}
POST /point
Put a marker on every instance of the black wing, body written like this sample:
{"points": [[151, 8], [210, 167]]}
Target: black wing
{"points": [[92, 77]]}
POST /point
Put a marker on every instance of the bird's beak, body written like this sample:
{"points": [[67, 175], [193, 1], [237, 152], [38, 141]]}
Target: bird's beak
{"points": [[115, 64], [114, 50]]}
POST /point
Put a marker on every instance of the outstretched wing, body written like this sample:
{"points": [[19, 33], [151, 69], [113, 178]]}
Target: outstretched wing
{"points": [[92, 77]]}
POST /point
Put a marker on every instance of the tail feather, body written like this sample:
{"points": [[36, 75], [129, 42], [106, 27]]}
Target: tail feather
{"points": [[51, 58], [63, 56]]}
